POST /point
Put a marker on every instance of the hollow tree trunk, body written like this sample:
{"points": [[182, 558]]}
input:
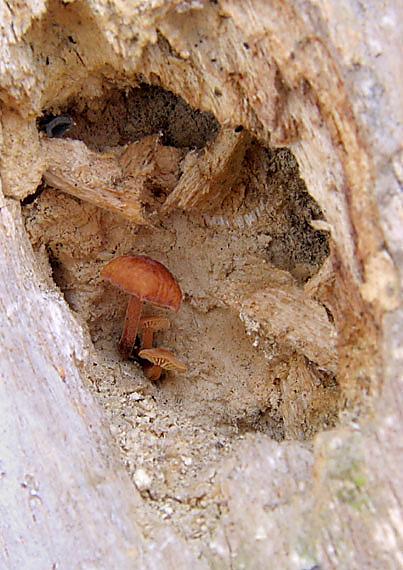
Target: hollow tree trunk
{"points": [[321, 78]]}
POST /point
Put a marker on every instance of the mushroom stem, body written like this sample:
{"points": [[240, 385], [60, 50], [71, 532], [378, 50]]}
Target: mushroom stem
{"points": [[130, 327], [148, 337], [153, 371]]}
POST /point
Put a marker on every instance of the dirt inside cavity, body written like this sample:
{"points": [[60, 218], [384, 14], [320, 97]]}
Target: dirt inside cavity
{"points": [[119, 117], [173, 434]]}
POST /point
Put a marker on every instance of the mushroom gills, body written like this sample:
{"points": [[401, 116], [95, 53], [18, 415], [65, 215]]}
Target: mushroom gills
{"points": [[162, 359], [150, 325]]}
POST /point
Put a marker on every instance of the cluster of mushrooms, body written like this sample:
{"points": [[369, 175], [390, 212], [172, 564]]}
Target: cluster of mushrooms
{"points": [[145, 279]]}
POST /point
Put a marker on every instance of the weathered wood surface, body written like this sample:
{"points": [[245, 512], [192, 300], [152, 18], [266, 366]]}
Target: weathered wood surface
{"points": [[209, 176], [321, 77], [114, 180], [65, 499], [117, 180], [287, 315]]}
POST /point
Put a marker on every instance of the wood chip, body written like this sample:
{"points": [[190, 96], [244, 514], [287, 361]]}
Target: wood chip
{"points": [[114, 180], [209, 176]]}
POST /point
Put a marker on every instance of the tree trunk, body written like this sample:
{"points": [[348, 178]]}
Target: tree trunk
{"points": [[321, 79]]}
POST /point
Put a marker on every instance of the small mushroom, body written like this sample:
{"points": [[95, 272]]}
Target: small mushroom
{"points": [[149, 325], [161, 359], [145, 280]]}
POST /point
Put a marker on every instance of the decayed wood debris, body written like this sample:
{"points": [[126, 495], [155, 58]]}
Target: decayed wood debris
{"points": [[115, 180], [290, 317], [118, 180], [303, 397], [207, 178], [330, 71], [273, 305]]}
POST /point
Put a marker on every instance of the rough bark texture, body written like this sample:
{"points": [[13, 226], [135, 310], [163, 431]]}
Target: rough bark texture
{"points": [[62, 487], [321, 78]]}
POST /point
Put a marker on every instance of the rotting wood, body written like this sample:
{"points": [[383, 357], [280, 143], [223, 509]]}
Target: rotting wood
{"points": [[57, 465], [120, 180], [209, 176], [117, 180], [321, 280], [290, 317], [148, 162], [346, 520], [304, 397], [93, 177]]}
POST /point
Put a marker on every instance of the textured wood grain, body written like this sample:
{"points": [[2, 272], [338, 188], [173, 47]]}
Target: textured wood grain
{"points": [[288, 316], [65, 499], [115, 181], [209, 176], [321, 77]]}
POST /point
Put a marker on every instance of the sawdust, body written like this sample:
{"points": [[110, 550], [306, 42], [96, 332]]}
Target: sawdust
{"points": [[171, 458], [173, 434]]}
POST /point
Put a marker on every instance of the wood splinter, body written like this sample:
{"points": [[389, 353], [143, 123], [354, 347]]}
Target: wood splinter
{"points": [[210, 175], [118, 180]]}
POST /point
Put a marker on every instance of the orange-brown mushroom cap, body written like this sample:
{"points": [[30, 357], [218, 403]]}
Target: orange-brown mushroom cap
{"points": [[144, 278], [163, 358]]}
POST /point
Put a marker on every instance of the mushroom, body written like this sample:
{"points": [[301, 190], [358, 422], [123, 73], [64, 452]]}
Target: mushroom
{"points": [[145, 280], [161, 359], [149, 325]]}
